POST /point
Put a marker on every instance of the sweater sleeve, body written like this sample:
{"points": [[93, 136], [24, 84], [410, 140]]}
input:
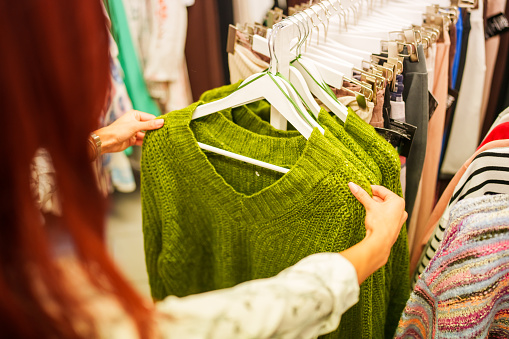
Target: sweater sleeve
{"points": [[152, 235], [303, 301]]}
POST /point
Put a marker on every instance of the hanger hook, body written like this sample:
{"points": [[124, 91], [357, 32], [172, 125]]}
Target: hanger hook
{"points": [[275, 30], [310, 35], [327, 17], [300, 19], [298, 44], [330, 3], [271, 53], [320, 19], [342, 16]]}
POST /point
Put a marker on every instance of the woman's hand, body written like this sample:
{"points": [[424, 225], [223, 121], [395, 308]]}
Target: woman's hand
{"points": [[385, 214], [128, 130]]}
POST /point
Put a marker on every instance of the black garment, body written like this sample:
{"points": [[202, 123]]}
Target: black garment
{"points": [[225, 11], [415, 96], [386, 111]]}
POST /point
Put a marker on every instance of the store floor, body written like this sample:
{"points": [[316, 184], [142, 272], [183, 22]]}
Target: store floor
{"points": [[125, 238]]}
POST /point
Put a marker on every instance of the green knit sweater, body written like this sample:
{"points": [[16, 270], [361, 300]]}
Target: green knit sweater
{"points": [[212, 222], [397, 290], [372, 151]]}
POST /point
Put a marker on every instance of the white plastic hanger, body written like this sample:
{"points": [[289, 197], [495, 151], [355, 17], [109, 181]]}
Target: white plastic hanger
{"points": [[299, 92], [315, 81], [260, 86], [299, 83]]}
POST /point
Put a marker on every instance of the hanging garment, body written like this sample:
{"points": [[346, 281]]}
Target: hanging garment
{"points": [[366, 114], [502, 117], [377, 119], [465, 38], [398, 113], [434, 228], [501, 131], [158, 30], [134, 81], [43, 183], [247, 208], [427, 187], [487, 174], [204, 59], [457, 55], [251, 11], [415, 96], [498, 86], [452, 51], [463, 291], [379, 156], [464, 136], [492, 44], [430, 65], [257, 207], [243, 63]]}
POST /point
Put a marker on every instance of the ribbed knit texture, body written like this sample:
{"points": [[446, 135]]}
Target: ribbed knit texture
{"points": [[396, 271], [212, 222], [463, 293]]}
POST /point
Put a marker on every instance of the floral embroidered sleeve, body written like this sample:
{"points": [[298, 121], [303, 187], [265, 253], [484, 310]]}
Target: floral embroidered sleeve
{"points": [[303, 301]]}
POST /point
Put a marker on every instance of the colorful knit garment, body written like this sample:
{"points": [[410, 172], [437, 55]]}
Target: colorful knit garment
{"points": [[464, 291]]}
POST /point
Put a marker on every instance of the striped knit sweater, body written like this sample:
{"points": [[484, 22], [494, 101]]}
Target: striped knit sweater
{"points": [[212, 222], [464, 291]]}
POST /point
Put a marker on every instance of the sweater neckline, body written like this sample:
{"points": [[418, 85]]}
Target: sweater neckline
{"points": [[314, 163]]}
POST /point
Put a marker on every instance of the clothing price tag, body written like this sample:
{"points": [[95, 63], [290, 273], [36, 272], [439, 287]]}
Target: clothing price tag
{"points": [[433, 104], [496, 25], [400, 135]]}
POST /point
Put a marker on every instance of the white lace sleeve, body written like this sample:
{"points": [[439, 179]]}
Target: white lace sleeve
{"points": [[303, 301]]}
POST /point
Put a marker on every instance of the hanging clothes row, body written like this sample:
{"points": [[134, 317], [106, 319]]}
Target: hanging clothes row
{"points": [[461, 140], [460, 251], [253, 176], [406, 100]]}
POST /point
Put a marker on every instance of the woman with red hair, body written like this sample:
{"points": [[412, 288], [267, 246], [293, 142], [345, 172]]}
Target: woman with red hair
{"points": [[54, 76]]}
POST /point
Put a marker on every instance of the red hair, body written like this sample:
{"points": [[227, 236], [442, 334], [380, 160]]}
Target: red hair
{"points": [[54, 78]]}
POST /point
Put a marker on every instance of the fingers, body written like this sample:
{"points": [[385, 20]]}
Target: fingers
{"points": [[403, 218], [149, 125], [381, 192], [139, 139], [145, 116], [360, 194]]}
